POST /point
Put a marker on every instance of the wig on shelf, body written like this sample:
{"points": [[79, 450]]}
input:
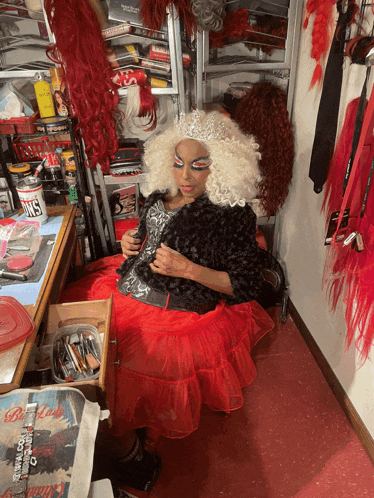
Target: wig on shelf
{"points": [[263, 113], [268, 32]]}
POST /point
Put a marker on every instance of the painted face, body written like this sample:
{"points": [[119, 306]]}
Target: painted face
{"points": [[191, 168]]}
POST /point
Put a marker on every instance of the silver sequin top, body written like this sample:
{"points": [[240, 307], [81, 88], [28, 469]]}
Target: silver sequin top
{"points": [[157, 218]]}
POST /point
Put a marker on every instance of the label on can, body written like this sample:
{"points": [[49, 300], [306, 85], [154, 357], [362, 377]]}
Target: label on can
{"points": [[68, 159], [52, 159], [159, 83], [44, 99], [59, 91], [31, 196], [116, 31]]}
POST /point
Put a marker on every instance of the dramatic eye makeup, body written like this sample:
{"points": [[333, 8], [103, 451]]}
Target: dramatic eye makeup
{"points": [[178, 163], [198, 164]]}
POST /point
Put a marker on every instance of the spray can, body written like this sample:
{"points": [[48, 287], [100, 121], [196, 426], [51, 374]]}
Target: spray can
{"points": [[31, 196], [44, 97]]}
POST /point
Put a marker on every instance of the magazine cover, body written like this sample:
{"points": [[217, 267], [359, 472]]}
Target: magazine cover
{"points": [[123, 201], [124, 10], [47, 440]]}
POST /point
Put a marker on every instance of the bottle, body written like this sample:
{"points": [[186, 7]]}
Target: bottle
{"points": [[52, 164], [71, 180], [62, 163], [44, 97]]}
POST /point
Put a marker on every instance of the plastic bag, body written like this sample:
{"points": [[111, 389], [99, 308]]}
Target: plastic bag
{"points": [[20, 237]]}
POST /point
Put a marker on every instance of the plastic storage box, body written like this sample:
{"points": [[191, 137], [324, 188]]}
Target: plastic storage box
{"points": [[69, 331], [24, 125], [33, 151]]}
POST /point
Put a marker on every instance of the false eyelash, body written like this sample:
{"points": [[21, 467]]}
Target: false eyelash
{"points": [[200, 168], [178, 165]]}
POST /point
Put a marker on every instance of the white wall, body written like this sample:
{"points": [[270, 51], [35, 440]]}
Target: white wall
{"points": [[301, 240]]}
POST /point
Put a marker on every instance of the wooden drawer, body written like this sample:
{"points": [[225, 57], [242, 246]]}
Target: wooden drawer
{"points": [[96, 313]]}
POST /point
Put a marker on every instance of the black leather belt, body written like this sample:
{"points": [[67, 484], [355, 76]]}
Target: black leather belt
{"points": [[171, 302]]}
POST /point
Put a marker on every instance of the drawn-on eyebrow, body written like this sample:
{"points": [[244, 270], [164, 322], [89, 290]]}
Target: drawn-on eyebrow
{"points": [[195, 160]]}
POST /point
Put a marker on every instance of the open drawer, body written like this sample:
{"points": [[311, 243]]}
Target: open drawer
{"points": [[97, 313]]}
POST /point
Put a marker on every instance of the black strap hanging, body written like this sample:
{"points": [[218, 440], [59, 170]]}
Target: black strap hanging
{"points": [[357, 129], [328, 111]]}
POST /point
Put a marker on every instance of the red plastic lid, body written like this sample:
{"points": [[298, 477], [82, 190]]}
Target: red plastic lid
{"points": [[19, 262], [7, 221], [15, 323]]}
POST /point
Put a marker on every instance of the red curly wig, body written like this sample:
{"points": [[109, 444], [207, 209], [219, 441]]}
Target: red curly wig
{"points": [[81, 52], [263, 113], [268, 32]]}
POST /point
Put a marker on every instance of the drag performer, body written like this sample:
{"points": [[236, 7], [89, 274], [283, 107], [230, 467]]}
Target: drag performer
{"points": [[184, 298]]}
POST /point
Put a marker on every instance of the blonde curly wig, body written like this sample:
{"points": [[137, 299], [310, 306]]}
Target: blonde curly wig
{"points": [[234, 173]]}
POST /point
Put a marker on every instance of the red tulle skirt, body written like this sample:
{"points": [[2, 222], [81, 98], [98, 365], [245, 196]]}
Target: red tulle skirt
{"points": [[173, 361]]}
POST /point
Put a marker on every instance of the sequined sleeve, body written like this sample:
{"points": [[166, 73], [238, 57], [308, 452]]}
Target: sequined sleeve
{"points": [[157, 219]]}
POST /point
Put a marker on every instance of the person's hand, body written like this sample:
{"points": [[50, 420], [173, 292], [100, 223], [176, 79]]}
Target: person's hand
{"points": [[172, 263], [129, 245]]}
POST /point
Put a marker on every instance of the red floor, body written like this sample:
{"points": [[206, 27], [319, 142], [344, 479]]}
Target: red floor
{"points": [[291, 439]]}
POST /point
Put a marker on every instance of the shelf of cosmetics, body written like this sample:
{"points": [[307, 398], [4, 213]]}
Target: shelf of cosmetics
{"points": [[133, 64], [57, 172]]}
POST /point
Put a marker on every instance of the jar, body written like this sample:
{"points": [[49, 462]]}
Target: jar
{"points": [[19, 171]]}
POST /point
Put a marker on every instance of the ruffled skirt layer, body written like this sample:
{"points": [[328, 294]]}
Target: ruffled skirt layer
{"points": [[173, 361]]}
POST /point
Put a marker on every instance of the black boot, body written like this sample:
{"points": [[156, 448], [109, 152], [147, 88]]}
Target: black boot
{"points": [[139, 469]]}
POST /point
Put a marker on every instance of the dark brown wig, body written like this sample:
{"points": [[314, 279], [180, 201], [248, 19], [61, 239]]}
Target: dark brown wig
{"points": [[263, 113]]}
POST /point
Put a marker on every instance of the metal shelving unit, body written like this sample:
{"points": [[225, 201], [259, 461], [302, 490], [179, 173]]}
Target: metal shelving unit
{"points": [[283, 65], [30, 70], [176, 93]]}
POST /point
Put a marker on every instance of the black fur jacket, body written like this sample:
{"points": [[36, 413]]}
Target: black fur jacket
{"points": [[217, 237]]}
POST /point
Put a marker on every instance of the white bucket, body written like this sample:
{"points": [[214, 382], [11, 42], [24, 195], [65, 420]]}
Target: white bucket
{"points": [[31, 196]]}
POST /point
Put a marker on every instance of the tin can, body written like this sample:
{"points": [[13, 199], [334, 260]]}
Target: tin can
{"points": [[161, 66], [44, 98], [161, 53], [159, 83], [31, 196], [19, 171], [130, 77], [68, 160]]}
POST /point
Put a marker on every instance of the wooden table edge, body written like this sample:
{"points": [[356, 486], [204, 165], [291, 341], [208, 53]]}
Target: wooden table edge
{"points": [[37, 310]]}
